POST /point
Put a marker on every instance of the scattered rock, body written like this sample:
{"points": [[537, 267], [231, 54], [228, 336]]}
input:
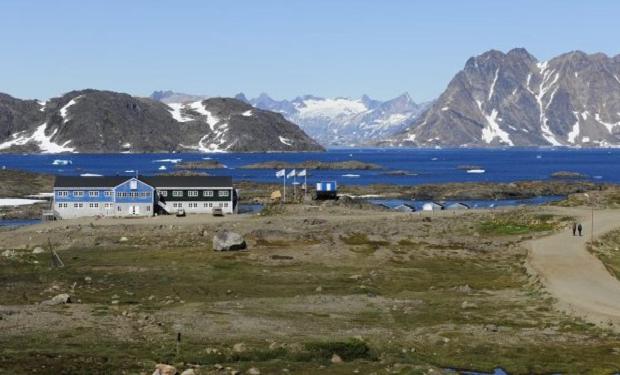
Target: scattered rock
{"points": [[123, 239], [189, 371], [239, 347], [427, 219], [468, 305], [38, 250], [9, 253], [227, 241], [88, 279], [319, 289], [463, 289], [163, 369], [59, 299], [252, 371], [336, 358]]}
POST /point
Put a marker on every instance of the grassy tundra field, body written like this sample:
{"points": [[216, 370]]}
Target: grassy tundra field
{"points": [[385, 292]]}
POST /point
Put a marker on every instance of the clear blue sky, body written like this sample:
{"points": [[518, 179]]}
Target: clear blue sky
{"points": [[284, 48]]}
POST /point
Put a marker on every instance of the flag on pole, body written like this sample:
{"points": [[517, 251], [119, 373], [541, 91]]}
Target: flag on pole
{"points": [[281, 173], [291, 174], [302, 173]]}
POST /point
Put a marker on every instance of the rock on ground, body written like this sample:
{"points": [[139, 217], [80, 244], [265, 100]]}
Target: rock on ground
{"points": [[164, 369], [336, 359], [226, 241], [58, 300], [38, 250]]}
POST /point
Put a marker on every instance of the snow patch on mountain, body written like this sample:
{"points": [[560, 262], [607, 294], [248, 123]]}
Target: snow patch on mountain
{"points": [[286, 141], [64, 111], [38, 137], [329, 108], [176, 109]]}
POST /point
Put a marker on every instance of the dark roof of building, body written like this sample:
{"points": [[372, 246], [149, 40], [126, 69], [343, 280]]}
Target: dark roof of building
{"points": [[188, 181], [154, 181]]}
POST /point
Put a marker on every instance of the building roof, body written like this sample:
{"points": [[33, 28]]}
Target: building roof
{"points": [[89, 181], [188, 181], [154, 181]]}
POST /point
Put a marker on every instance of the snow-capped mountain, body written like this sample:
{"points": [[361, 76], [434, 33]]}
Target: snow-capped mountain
{"points": [[512, 99], [344, 121], [106, 121]]}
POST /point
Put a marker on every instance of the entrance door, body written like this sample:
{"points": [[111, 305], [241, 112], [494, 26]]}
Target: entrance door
{"points": [[134, 210]]}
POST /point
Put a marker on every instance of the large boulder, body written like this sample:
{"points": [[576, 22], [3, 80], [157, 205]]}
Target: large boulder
{"points": [[227, 241]]}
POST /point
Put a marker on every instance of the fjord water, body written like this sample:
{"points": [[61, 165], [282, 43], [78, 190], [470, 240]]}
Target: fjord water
{"points": [[422, 165]]}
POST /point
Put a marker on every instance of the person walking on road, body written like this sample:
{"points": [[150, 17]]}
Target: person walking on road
{"points": [[574, 229], [579, 228]]}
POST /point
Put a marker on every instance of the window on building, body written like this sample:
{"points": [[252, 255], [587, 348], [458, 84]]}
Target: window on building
{"points": [[205, 205], [118, 208], [223, 193], [225, 204], [93, 193], [163, 193], [148, 208], [107, 193], [62, 193], [78, 193], [62, 205], [192, 193], [210, 205], [177, 193], [133, 184], [207, 193]]}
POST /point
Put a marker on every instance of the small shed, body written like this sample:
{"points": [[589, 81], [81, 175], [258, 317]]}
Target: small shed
{"points": [[405, 207], [433, 206], [458, 206], [326, 190]]}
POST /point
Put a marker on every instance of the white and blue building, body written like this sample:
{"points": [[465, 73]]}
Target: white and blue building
{"points": [[81, 196]]}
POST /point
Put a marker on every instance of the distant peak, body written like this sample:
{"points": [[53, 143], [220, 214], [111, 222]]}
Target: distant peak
{"points": [[263, 95], [241, 97]]}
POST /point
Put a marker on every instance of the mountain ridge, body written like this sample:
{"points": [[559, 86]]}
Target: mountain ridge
{"points": [[106, 121], [513, 99]]}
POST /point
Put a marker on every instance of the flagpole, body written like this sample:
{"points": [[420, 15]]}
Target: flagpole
{"points": [[305, 184], [284, 183], [295, 187]]}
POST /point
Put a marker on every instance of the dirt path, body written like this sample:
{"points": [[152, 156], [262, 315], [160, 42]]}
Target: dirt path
{"points": [[577, 279]]}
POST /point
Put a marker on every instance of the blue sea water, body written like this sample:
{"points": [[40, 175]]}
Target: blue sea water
{"points": [[425, 165]]}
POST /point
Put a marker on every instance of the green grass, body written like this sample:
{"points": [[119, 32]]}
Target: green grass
{"points": [[506, 226]]}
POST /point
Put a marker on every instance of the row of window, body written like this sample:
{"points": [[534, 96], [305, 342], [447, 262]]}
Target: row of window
{"points": [[196, 193], [94, 205], [133, 194], [81, 205], [80, 193], [195, 205]]}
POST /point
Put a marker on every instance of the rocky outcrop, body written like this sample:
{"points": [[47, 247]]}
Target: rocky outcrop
{"points": [[106, 121], [512, 99], [313, 164]]}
